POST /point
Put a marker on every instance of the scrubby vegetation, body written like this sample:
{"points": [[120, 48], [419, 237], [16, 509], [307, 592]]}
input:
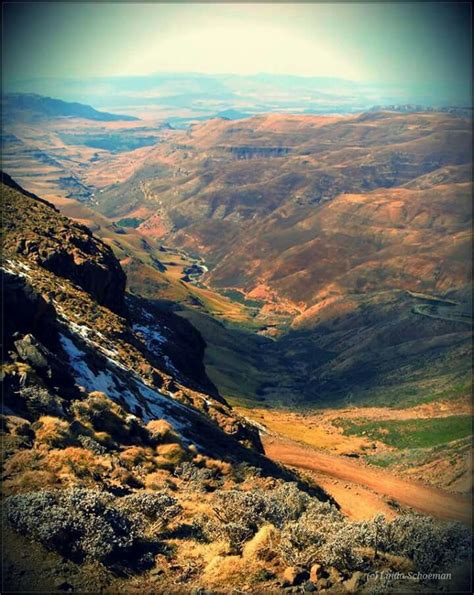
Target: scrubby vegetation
{"points": [[91, 524], [102, 487]]}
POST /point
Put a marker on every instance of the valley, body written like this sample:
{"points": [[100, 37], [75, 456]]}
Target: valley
{"points": [[324, 260], [237, 298]]}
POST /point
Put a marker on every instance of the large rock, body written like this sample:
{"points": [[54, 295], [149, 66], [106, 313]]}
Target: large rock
{"points": [[30, 351], [353, 584], [295, 575]]}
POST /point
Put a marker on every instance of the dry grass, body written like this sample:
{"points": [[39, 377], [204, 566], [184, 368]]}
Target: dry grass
{"points": [[263, 545], [159, 480], [162, 431], [29, 481], [72, 464], [52, 432], [171, 455], [135, 456]]}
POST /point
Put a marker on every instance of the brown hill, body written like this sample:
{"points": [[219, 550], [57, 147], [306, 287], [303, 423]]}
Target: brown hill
{"points": [[327, 223]]}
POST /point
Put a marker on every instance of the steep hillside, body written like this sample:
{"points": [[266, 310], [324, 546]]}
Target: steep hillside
{"points": [[76, 282]]}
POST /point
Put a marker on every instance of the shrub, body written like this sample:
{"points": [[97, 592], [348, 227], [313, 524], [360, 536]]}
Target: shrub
{"points": [[88, 524], [171, 455], [159, 480], [196, 479], [77, 463], [240, 514], [23, 460], [151, 511], [103, 415], [254, 507], [91, 444], [135, 456], [30, 481], [41, 402], [221, 468], [323, 535], [78, 523], [16, 426], [121, 477], [263, 545], [432, 546]]}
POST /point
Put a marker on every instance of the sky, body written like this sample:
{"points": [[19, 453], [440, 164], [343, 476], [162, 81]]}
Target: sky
{"points": [[381, 43]]}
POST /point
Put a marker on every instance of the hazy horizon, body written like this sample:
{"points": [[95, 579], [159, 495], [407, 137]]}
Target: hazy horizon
{"points": [[398, 46]]}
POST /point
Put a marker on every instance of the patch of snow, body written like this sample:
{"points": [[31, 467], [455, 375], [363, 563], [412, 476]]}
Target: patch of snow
{"points": [[103, 381], [153, 337], [86, 333], [15, 267], [131, 390], [170, 365]]}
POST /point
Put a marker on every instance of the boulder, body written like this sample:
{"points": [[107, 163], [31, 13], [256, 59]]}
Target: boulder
{"points": [[29, 350], [353, 584], [295, 575], [316, 573]]}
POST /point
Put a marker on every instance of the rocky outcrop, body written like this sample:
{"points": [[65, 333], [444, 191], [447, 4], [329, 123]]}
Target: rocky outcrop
{"points": [[250, 152], [34, 229], [24, 310]]}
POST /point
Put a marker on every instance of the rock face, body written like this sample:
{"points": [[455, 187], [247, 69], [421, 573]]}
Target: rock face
{"points": [[24, 309], [34, 229]]}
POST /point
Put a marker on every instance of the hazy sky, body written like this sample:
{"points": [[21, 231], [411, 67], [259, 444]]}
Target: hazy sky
{"points": [[376, 42]]}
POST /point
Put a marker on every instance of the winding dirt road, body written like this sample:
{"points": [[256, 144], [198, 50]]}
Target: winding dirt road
{"points": [[364, 490]]}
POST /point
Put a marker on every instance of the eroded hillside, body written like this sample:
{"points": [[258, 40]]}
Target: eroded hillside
{"points": [[341, 232]]}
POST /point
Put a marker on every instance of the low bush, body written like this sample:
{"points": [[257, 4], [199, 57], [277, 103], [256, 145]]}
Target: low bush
{"points": [[159, 480], [195, 479], [84, 524], [239, 514], [171, 455], [137, 456], [77, 464], [432, 546], [162, 431], [39, 401], [101, 414]]}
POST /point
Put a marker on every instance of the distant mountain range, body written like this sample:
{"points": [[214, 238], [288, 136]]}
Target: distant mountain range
{"points": [[408, 108], [32, 106], [193, 95]]}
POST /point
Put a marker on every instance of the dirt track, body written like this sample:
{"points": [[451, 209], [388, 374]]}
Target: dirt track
{"points": [[326, 467]]}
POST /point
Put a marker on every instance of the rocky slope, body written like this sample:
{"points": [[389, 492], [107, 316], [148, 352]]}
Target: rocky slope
{"points": [[65, 295]]}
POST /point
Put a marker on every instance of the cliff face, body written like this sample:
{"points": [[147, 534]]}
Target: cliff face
{"points": [[70, 330]]}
